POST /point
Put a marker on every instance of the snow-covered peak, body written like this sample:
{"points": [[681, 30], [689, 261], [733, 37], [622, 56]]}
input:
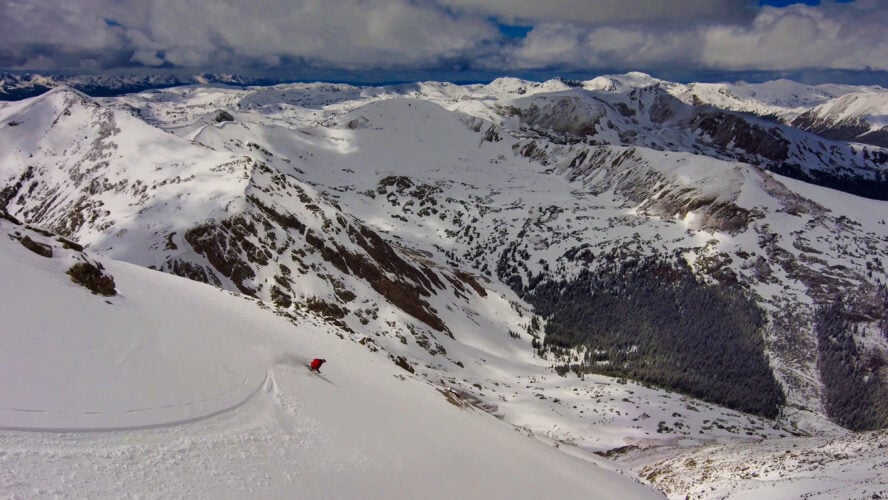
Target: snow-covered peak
{"points": [[131, 170], [513, 87], [860, 116], [871, 106], [621, 83]]}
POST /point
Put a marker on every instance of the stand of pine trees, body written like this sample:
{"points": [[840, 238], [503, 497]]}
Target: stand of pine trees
{"points": [[856, 396], [652, 320]]}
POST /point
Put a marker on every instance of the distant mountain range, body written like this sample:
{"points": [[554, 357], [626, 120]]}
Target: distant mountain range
{"points": [[834, 111], [14, 86]]}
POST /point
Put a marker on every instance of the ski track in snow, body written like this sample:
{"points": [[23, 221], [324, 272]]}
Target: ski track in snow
{"points": [[142, 411], [359, 430], [266, 444]]}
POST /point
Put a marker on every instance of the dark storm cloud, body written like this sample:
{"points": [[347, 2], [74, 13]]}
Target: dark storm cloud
{"points": [[38, 34], [609, 11], [192, 33], [440, 34]]}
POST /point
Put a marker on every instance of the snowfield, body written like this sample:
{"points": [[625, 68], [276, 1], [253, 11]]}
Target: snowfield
{"points": [[82, 362], [216, 401]]}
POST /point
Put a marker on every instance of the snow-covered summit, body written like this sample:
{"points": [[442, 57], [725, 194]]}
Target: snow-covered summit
{"points": [[622, 83], [857, 116], [122, 175], [513, 87]]}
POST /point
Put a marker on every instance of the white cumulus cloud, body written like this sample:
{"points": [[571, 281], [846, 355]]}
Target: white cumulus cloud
{"points": [[831, 36]]}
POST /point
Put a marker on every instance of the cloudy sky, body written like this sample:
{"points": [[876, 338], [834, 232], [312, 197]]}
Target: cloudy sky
{"points": [[448, 39]]}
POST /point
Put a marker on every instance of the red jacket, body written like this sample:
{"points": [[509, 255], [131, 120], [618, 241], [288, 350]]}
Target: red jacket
{"points": [[316, 364]]}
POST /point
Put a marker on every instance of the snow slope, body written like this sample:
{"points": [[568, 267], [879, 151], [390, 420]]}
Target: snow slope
{"points": [[871, 106], [858, 116], [165, 350]]}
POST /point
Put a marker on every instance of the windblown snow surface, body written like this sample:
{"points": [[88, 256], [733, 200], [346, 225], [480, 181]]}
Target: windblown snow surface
{"points": [[174, 388]]}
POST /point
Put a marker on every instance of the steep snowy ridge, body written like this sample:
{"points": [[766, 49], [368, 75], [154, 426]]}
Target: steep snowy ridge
{"points": [[386, 134], [437, 232], [859, 117]]}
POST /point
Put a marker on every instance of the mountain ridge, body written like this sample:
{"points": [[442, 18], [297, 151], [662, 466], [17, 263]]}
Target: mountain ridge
{"points": [[300, 207], [420, 220]]}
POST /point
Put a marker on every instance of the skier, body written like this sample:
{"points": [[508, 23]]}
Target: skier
{"points": [[316, 364]]}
